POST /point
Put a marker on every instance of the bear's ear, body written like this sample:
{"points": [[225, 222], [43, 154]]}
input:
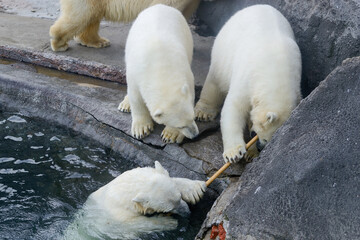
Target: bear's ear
{"points": [[185, 89], [160, 169], [158, 113], [141, 198], [271, 117]]}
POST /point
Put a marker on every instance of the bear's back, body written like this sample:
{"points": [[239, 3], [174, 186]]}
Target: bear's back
{"points": [[157, 28]]}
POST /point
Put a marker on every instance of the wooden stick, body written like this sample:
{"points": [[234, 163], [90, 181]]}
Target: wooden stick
{"points": [[226, 165]]}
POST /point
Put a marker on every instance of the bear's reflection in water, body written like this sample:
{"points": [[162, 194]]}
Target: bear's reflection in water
{"points": [[136, 202]]}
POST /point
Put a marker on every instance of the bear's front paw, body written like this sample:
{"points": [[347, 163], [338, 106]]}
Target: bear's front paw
{"points": [[124, 106], [172, 135], [195, 193], [191, 190], [234, 154], [141, 129], [204, 112], [251, 153], [56, 46]]}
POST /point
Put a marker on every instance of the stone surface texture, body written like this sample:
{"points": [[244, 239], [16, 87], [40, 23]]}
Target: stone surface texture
{"points": [[305, 183], [327, 31], [33, 46]]}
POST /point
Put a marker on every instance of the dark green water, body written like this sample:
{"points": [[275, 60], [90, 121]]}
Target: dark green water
{"points": [[46, 174]]}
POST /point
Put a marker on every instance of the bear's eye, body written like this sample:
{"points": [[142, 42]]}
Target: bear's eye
{"points": [[182, 127]]}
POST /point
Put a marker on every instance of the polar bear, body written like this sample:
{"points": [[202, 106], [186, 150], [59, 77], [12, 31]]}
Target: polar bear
{"points": [[256, 65], [138, 201], [158, 55], [81, 19]]}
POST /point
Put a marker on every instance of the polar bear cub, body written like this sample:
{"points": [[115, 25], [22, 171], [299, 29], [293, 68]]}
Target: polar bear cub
{"points": [[158, 56], [81, 19], [256, 65], [118, 210]]}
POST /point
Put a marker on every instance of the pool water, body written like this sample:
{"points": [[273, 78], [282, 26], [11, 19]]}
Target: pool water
{"points": [[46, 174]]}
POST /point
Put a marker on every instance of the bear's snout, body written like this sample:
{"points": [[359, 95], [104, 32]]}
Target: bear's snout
{"points": [[191, 132], [260, 144]]}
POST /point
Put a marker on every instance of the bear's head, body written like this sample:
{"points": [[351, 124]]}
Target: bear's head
{"points": [[178, 111], [264, 125], [161, 194]]}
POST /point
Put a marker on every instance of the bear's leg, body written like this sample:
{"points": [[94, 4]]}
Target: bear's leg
{"points": [[233, 122], [124, 106], [142, 123], [66, 27], [210, 100], [61, 32], [90, 36], [172, 135]]}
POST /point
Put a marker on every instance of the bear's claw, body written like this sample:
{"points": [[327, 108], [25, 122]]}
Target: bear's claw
{"points": [[191, 190], [140, 130], [172, 135], [251, 153], [234, 155], [100, 43], [196, 193], [204, 112], [124, 106]]}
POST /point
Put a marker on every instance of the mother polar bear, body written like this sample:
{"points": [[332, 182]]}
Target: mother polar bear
{"points": [[257, 63]]}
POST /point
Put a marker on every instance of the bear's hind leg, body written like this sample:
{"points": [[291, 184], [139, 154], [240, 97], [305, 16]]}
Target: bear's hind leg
{"points": [[233, 122], [142, 124], [90, 36], [210, 101], [172, 135]]}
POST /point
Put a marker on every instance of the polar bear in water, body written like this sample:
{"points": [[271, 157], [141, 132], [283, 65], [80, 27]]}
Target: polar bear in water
{"points": [[256, 65], [133, 203]]}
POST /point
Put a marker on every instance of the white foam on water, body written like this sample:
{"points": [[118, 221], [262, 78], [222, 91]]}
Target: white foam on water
{"points": [[16, 119], [16, 139]]}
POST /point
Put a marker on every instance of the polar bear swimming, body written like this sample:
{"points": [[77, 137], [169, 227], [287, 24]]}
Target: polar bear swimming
{"points": [[256, 65], [135, 202]]}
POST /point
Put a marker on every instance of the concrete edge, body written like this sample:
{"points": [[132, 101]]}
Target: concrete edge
{"points": [[64, 63]]}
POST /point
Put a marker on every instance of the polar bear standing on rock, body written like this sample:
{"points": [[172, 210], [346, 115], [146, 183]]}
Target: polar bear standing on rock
{"points": [[118, 210], [81, 18], [256, 65], [158, 57]]}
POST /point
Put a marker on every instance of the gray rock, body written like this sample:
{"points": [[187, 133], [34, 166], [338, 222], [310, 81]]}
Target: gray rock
{"points": [[306, 183], [209, 149], [327, 31]]}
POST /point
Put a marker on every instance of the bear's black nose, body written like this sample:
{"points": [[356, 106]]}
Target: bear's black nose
{"points": [[259, 146], [252, 134]]}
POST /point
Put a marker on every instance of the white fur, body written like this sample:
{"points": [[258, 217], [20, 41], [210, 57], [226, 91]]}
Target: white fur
{"points": [[158, 56], [117, 209], [256, 65], [81, 18]]}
